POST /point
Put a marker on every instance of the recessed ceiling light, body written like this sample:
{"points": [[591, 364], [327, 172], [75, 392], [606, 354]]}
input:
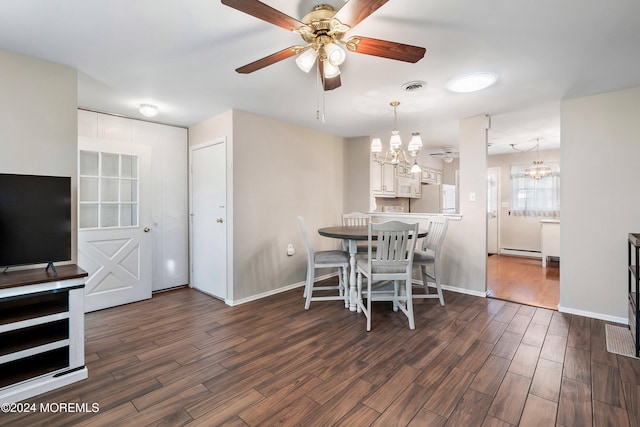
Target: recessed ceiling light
{"points": [[471, 82], [148, 110]]}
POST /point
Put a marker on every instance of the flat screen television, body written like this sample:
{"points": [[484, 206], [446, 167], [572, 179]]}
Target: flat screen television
{"points": [[35, 219]]}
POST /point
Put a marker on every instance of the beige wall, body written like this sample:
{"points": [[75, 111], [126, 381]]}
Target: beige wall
{"points": [[600, 204], [465, 251], [518, 232], [281, 171], [356, 171], [38, 121], [278, 171]]}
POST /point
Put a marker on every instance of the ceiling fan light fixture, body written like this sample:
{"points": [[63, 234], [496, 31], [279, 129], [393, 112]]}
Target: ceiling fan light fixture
{"points": [[306, 59], [471, 82], [335, 54], [330, 70], [148, 110]]}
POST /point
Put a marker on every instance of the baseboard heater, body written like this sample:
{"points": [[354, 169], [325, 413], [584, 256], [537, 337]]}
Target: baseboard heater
{"points": [[520, 252]]}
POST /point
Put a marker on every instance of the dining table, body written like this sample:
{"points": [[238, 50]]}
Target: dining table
{"points": [[351, 235]]}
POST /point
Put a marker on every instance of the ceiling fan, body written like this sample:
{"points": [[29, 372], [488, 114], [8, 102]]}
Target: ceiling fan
{"points": [[323, 30], [447, 154]]}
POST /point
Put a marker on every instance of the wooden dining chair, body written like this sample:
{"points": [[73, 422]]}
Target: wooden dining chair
{"points": [[324, 259], [356, 219], [430, 255], [389, 262]]}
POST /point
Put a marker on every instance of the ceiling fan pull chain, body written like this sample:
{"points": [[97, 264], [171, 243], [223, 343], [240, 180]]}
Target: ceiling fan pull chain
{"points": [[317, 90], [324, 107]]}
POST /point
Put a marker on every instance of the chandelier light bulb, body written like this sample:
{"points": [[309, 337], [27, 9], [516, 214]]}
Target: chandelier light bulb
{"points": [[415, 144], [376, 145], [395, 142]]}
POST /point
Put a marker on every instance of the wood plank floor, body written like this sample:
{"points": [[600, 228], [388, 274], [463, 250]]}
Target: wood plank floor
{"points": [[183, 358], [523, 280]]}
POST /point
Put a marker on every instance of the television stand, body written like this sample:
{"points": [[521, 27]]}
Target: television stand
{"points": [[41, 331], [53, 268]]}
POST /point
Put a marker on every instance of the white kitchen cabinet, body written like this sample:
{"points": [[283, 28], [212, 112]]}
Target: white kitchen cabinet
{"points": [[394, 181], [383, 180]]}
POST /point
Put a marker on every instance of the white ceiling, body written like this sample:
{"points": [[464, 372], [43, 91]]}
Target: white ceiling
{"points": [[181, 55]]}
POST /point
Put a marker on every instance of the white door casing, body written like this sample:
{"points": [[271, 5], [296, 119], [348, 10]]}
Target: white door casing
{"points": [[114, 249], [493, 188], [208, 213]]}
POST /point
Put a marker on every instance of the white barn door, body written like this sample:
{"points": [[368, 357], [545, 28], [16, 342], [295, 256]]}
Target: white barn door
{"points": [[113, 222]]}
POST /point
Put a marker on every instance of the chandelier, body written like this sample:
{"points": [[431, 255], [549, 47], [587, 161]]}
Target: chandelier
{"points": [[538, 170], [395, 154]]}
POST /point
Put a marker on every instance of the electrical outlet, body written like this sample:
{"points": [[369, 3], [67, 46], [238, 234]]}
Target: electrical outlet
{"points": [[290, 250]]}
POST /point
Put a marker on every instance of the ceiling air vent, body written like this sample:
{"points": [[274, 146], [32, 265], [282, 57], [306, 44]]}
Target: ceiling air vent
{"points": [[414, 86]]}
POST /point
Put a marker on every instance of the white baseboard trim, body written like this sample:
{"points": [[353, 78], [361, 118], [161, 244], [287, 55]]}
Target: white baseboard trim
{"points": [[276, 291], [518, 252], [481, 294], [599, 316]]}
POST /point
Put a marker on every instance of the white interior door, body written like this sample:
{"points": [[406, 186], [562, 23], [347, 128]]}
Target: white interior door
{"points": [[209, 218], [493, 184], [113, 222]]}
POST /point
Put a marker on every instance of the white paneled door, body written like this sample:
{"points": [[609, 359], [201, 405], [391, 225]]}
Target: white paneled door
{"points": [[209, 218], [114, 244]]}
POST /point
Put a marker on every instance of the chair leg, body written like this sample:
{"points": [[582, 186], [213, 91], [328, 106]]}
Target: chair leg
{"points": [[368, 304], [425, 278], [436, 273], [396, 294], [308, 288], [409, 292]]}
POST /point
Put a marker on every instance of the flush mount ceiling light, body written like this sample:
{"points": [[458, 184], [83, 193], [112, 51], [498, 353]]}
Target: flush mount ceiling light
{"points": [[471, 82], [148, 110], [396, 153]]}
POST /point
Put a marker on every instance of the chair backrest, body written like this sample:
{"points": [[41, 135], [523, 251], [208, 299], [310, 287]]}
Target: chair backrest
{"points": [[435, 237], [355, 219], [394, 249], [305, 236]]}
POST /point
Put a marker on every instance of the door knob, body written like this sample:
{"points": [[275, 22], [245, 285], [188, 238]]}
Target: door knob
{"points": [[220, 220], [147, 229]]}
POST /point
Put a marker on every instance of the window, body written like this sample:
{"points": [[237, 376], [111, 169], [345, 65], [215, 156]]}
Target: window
{"points": [[108, 190], [535, 197]]}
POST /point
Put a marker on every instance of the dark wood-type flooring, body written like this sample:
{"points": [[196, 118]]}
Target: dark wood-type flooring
{"points": [[523, 280], [183, 358]]}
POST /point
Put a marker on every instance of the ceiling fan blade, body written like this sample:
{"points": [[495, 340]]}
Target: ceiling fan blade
{"points": [[269, 60], [266, 13], [354, 11], [385, 49], [329, 83]]}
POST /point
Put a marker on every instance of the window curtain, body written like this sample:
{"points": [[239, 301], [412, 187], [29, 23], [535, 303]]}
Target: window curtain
{"points": [[535, 197]]}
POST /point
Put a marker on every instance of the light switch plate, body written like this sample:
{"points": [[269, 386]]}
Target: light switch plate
{"points": [[472, 197]]}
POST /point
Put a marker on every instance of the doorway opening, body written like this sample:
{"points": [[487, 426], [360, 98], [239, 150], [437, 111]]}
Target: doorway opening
{"points": [[517, 274]]}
